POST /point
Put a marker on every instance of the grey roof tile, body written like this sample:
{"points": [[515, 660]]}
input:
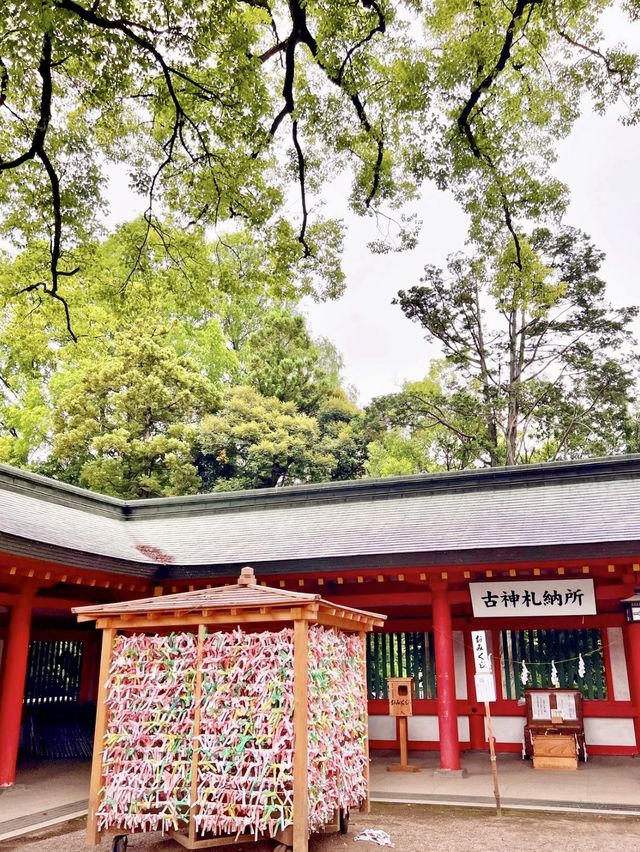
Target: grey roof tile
{"points": [[545, 506]]}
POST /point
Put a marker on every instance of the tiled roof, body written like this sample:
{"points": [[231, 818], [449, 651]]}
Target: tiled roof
{"points": [[549, 505], [245, 594]]}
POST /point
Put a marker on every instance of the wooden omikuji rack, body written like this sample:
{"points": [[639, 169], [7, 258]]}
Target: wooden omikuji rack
{"points": [[246, 605]]}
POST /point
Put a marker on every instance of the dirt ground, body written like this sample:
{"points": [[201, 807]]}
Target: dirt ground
{"points": [[413, 828]]}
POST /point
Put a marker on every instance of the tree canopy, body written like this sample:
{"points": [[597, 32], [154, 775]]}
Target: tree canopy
{"points": [[217, 111], [543, 364], [232, 122]]}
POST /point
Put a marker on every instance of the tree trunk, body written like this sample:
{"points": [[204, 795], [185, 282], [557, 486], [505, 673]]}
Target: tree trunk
{"points": [[492, 426]]}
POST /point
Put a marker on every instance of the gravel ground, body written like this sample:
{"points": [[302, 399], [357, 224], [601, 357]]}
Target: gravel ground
{"points": [[413, 828]]}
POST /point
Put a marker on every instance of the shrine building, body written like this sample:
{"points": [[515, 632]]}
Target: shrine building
{"points": [[540, 556]]}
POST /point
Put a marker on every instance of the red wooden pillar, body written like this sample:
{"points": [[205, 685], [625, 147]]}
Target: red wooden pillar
{"points": [[445, 682], [631, 633], [14, 670]]}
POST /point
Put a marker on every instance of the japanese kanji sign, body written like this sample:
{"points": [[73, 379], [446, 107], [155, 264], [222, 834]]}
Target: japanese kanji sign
{"points": [[533, 597], [484, 679], [481, 653]]}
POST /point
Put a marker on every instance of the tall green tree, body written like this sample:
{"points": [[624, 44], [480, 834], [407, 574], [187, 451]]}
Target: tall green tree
{"points": [[434, 424], [548, 363], [281, 359], [127, 425], [211, 296], [259, 442]]}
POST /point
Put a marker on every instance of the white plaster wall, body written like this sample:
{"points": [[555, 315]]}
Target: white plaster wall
{"points": [[459, 664], [463, 729], [382, 728], [618, 664], [425, 728], [609, 732], [508, 729]]}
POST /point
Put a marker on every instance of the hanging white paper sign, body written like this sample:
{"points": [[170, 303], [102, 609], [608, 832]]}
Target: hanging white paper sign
{"points": [[485, 687], [481, 651]]}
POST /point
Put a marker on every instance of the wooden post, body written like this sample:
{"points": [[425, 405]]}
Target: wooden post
{"points": [[197, 745], [404, 741], [364, 806], [98, 740], [300, 732], [492, 752]]}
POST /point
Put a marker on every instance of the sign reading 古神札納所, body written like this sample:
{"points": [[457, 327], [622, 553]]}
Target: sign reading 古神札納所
{"points": [[533, 597]]}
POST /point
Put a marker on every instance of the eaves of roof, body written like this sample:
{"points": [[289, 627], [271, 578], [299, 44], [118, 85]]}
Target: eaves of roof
{"points": [[485, 479], [446, 518]]}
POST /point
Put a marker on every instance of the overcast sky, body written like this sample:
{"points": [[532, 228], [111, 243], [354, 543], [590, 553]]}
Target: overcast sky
{"points": [[600, 162]]}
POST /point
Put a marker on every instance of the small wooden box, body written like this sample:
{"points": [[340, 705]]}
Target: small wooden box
{"points": [[400, 696], [554, 751]]}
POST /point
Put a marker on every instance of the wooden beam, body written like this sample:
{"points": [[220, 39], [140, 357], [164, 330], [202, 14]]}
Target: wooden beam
{"points": [[98, 740], [300, 732], [364, 806], [197, 694], [342, 624], [193, 619]]}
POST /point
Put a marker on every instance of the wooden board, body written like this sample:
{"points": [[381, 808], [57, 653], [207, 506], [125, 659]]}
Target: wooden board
{"points": [[210, 843], [555, 762], [554, 746]]}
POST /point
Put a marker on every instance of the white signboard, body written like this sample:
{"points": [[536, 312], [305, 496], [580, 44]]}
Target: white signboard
{"points": [[481, 651], [566, 704], [485, 687], [533, 597], [540, 705]]}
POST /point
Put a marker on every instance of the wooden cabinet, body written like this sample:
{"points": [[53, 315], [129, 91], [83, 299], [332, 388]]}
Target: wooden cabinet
{"points": [[554, 732]]}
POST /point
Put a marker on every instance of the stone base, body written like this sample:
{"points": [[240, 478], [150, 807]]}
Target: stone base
{"points": [[450, 773]]}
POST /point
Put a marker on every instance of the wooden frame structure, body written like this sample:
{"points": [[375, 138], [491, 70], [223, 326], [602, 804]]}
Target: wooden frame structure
{"points": [[243, 604]]}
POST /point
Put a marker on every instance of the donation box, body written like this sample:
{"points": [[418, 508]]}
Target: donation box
{"points": [[400, 696]]}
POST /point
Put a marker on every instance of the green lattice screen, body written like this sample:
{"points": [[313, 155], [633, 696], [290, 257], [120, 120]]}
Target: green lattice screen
{"points": [[400, 655], [53, 672], [538, 648]]}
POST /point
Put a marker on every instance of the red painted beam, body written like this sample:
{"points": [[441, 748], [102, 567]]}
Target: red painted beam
{"points": [[44, 602]]}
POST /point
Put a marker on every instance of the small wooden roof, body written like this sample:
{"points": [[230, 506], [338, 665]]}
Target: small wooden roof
{"points": [[243, 602]]}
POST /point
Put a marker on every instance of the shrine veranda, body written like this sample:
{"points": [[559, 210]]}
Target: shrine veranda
{"points": [[540, 557]]}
